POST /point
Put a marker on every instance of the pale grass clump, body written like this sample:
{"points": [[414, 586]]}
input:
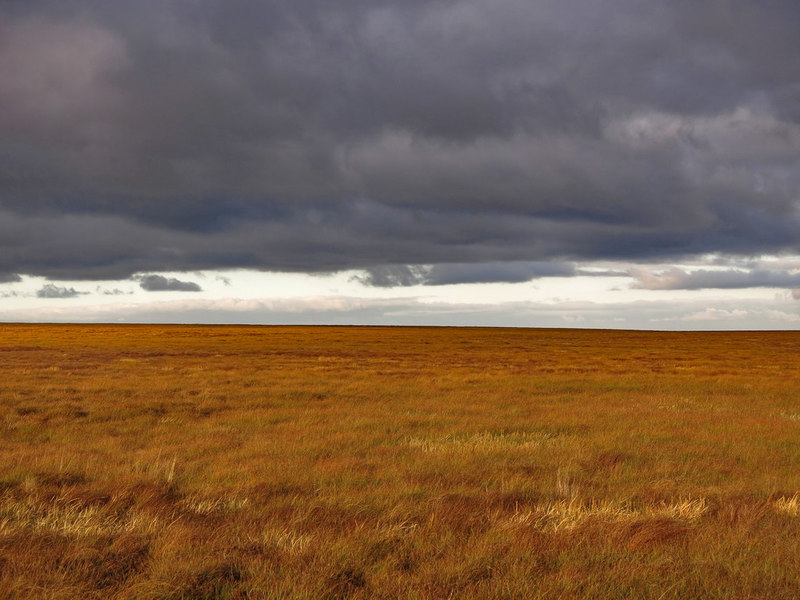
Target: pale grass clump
{"points": [[286, 539], [679, 405], [569, 514], [790, 416], [396, 530], [70, 518], [295, 542], [163, 470], [567, 483], [207, 506], [788, 506], [483, 442]]}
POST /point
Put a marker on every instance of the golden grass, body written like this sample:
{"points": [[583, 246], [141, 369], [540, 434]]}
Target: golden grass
{"points": [[789, 506], [570, 514], [144, 462], [482, 442]]}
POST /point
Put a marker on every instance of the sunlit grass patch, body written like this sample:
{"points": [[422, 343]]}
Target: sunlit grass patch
{"points": [[207, 506], [486, 441], [570, 514], [71, 517], [789, 506], [158, 468], [285, 539], [790, 416]]}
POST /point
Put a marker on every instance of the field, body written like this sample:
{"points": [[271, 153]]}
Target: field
{"points": [[332, 462]]}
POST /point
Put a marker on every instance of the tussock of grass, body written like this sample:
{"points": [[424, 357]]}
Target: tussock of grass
{"points": [[208, 506], [788, 506], [481, 442], [570, 514], [286, 540], [795, 416], [71, 518]]}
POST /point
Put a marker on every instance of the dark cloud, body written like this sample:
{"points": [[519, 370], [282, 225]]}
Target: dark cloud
{"points": [[395, 276], [680, 279], [450, 274], [49, 290], [159, 283], [9, 277], [153, 136]]}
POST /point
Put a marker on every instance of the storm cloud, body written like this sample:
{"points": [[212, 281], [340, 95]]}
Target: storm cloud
{"points": [[451, 274], [312, 136], [158, 283]]}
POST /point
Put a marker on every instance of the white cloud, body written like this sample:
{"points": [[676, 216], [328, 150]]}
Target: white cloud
{"points": [[778, 315], [716, 314]]}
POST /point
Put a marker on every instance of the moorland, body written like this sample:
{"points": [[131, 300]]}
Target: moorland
{"points": [[190, 462]]}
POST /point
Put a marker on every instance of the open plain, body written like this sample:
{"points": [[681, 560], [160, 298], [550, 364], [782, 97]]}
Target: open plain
{"points": [[334, 462]]}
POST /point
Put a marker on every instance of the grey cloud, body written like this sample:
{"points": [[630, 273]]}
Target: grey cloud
{"points": [[679, 279], [159, 283], [600, 272], [9, 277], [395, 276], [50, 290], [154, 136], [457, 273]]}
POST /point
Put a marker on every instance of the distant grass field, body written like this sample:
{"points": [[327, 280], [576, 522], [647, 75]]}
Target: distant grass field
{"points": [[145, 462]]}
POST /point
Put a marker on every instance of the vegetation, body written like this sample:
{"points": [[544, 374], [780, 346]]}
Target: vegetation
{"points": [[333, 462]]}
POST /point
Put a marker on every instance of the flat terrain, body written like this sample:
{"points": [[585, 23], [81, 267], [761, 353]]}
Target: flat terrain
{"points": [[333, 462]]}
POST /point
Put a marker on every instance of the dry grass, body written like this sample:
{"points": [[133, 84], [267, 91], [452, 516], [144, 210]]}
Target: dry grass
{"points": [[144, 462], [571, 514]]}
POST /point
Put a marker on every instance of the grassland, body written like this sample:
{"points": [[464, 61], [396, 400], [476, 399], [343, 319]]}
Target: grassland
{"points": [[279, 462]]}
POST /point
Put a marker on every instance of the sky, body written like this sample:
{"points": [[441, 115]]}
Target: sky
{"points": [[592, 163]]}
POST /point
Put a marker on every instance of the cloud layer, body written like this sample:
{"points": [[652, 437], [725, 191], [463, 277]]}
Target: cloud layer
{"points": [[680, 279], [414, 311], [456, 273], [312, 136]]}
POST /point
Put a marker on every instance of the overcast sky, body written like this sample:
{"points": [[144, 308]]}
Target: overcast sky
{"points": [[600, 163]]}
